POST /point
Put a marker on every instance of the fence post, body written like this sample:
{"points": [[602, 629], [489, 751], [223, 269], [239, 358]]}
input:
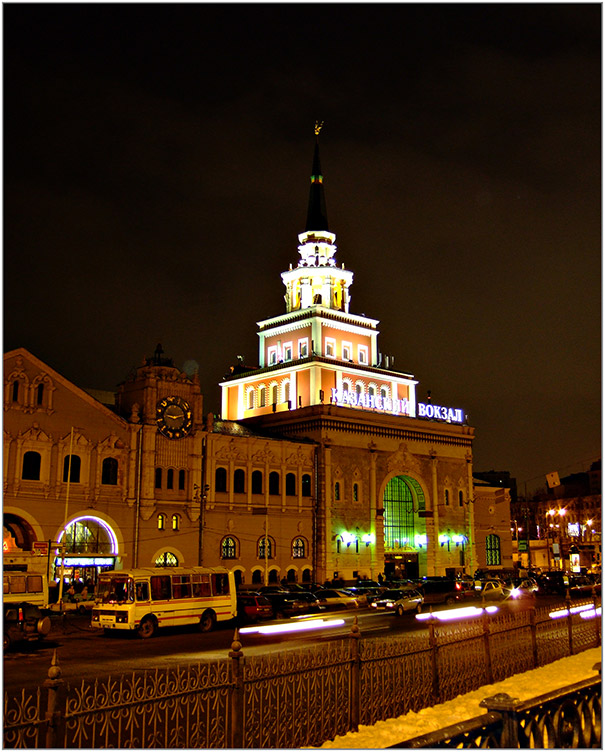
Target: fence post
{"points": [[355, 634], [534, 635], [569, 624], [597, 620], [487, 647], [506, 706], [237, 695], [434, 665], [54, 709]]}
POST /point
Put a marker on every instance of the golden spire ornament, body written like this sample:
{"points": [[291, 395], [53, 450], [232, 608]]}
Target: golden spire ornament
{"points": [[318, 126]]}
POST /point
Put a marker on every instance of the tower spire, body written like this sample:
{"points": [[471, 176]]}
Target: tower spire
{"points": [[317, 215]]}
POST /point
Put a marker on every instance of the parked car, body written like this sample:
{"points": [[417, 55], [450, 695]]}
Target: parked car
{"points": [[399, 601], [253, 607], [521, 588], [286, 604], [554, 583], [491, 590], [439, 590], [366, 595], [336, 599]]}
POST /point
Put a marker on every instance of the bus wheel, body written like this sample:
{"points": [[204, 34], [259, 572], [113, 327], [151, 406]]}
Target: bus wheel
{"points": [[147, 627], [207, 621]]}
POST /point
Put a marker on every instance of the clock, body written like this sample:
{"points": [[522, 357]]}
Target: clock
{"points": [[174, 417]]}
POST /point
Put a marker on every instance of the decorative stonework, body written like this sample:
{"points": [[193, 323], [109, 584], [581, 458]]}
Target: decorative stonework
{"points": [[404, 461], [299, 458], [265, 455], [230, 452]]}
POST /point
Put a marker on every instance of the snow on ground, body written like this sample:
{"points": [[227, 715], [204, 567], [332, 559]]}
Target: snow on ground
{"points": [[522, 686]]}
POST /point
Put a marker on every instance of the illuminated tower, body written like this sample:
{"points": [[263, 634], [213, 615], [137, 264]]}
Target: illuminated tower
{"points": [[317, 351]]}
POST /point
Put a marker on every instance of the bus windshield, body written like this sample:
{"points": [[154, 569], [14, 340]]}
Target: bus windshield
{"points": [[116, 589]]}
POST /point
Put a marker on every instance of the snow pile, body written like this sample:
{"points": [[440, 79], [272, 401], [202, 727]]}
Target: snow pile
{"points": [[521, 686]]}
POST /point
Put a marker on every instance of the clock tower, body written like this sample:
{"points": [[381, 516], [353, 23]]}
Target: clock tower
{"points": [[317, 351]]}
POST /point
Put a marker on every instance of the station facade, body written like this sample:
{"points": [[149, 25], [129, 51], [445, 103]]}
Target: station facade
{"points": [[322, 464]]}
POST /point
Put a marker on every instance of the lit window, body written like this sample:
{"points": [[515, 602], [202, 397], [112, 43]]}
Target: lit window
{"points": [[492, 550], [228, 548], [176, 522], [298, 548], [161, 521], [167, 560], [265, 541]]}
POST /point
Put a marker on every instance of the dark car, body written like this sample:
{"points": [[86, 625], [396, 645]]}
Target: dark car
{"points": [[439, 590], [366, 595], [286, 604], [399, 602], [252, 607], [554, 583], [24, 622]]}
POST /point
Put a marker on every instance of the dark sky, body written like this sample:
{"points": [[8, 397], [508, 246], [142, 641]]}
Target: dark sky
{"points": [[156, 174]]}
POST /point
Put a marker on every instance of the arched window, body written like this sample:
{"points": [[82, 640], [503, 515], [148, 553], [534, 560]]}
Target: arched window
{"points": [[399, 520], [447, 498], [15, 391], [181, 480], [337, 491], [492, 550], [228, 548], [257, 482], [262, 396], [460, 498], [158, 477], [161, 521], [250, 399], [358, 389], [261, 547], [290, 484], [384, 392], [109, 472], [274, 484], [74, 476], [176, 521], [306, 485], [371, 391], [239, 481], [287, 391], [257, 577], [220, 480], [170, 478], [298, 548], [31, 466], [39, 394], [167, 560], [274, 394], [355, 492]]}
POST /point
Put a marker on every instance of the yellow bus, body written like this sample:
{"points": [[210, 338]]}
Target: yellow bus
{"points": [[148, 598]]}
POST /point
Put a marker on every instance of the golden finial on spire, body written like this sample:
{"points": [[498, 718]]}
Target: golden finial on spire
{"points": [[318, 126]]}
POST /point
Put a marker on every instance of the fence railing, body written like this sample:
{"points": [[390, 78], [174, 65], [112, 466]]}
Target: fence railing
{"points": [[296, 698], [568, 718]]}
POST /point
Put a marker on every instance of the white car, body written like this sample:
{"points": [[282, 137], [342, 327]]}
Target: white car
{"points": [[336, 599], [399, 601], [491, 590]]}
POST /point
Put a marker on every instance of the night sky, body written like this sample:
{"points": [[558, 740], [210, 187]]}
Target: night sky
{"points": [[156, 177]]}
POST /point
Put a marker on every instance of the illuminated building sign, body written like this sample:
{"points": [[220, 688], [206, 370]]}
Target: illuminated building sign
{"points": [[437, 412], [396, 406], [87, 561]]}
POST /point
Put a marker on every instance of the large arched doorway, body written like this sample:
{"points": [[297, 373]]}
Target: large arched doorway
{"points": [[404, 528], [19, 534], [88, 546]]}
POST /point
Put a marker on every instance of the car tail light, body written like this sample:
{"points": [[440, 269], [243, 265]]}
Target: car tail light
{"points": [[458, 586], [20, 614]]}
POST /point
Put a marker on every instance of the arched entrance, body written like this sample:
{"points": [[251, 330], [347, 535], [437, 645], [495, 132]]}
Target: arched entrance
{"points": [[89, 546], [19, 533], [404, 529]]}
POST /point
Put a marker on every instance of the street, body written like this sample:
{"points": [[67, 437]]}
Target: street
{"points": [[86, 653]]}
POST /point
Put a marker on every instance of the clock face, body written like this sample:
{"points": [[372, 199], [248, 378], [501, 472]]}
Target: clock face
{"points": [[174, 417]]}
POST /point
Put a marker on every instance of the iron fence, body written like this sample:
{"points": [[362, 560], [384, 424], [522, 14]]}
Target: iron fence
{"points": [[293, 699]]}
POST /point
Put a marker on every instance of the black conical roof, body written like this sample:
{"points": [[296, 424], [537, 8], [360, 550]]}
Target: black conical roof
{"points": [[317, 216]]}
